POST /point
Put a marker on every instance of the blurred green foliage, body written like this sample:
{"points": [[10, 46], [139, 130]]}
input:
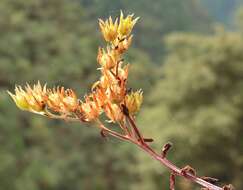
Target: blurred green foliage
{"points": [[222, 10], [198, 103], [193, 100]]}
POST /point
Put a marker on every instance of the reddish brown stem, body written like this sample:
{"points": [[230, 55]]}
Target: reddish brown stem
{"points": [[112, 133], [173, 168], [172, 181], [131, 121], [125, 128], [176, 170]]}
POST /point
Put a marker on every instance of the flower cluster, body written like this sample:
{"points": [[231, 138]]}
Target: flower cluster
{"points": [[108, 95], [41, 100]]}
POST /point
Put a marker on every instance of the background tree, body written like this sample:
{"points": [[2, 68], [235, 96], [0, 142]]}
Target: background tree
{"points": [[197, 104]]}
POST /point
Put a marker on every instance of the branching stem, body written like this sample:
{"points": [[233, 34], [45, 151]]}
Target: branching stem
{"points": [[131, 121], [164, 161]]}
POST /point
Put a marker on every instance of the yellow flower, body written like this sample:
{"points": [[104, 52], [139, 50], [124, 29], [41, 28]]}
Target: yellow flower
{"points": [[30, 99], [126, 24], [133, 101], [109, 29], [20, 98]]}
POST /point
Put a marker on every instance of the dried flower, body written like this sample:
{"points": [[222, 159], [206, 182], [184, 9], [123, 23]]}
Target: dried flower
{"points": [[126, 24], [30, 99], [113, 112], [89, 110], [109, 29], [123, 45], [116, 93], [133, 101], [61, 100], [20, 98], [107, 60]]}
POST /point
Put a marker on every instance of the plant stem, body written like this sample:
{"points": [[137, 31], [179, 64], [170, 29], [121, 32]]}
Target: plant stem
{"points": [[112, 133], [130, 119], [164, 161], [63, 117], [176, 170]]}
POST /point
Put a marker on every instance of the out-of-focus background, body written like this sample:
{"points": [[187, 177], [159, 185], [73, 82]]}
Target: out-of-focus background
{"points": [[187, 56]]}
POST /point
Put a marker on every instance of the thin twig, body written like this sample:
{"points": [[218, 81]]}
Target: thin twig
{"points": [[172, 181], [125, 128], [113, 133], [164, 161], [63, 117], [131, 121], [176, 171]]}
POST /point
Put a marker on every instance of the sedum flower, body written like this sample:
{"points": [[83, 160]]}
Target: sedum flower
{"points": [[61, 100], [107, 59], [113, 112], [133, 101], [126, 24], [90, 109], [123, 72], [107, 79], [20, 98], [30, 99], [124, 45], [109, 29], [116, 93]]}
